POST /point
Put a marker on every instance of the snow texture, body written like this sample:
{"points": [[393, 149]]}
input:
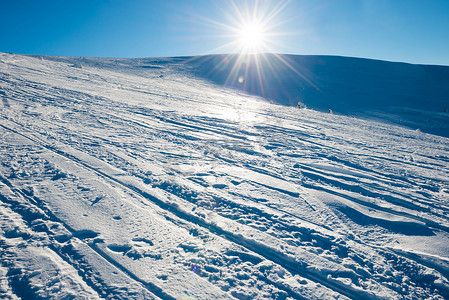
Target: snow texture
{"points": [[160, 179]]}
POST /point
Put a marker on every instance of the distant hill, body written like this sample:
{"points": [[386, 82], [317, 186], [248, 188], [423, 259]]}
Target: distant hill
{"points": [[416, 96]]}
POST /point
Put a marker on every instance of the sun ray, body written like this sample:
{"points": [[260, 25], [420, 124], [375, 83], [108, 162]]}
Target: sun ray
{"points": [[252, 30]]}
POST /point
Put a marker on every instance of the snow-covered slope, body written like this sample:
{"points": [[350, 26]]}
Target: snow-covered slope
{"points": [[131, 178], [416, 96]]}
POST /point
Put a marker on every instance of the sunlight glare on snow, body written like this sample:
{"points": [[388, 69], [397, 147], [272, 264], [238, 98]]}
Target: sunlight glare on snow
{"points": [[246, 112]]}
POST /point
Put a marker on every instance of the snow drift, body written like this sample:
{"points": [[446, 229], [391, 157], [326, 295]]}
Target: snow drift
{"points": [[157, 178]]}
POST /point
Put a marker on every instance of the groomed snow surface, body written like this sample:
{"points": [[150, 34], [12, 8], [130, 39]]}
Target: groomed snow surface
{"points": [[130, 179]]}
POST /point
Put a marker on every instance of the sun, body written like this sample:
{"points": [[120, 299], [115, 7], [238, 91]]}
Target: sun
{"points": [[252, 32], [249, 26], [252, 37]]}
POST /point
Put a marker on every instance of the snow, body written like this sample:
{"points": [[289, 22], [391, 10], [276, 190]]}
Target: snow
{"points": [[151, 178], [403, 94]]}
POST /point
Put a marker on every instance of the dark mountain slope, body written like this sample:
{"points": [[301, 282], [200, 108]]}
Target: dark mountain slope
{"points": [[416, 96]]}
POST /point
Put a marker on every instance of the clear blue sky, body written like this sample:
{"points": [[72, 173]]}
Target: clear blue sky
{"points": [[415, 31]]}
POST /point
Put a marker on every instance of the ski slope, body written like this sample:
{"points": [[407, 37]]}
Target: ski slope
{"points": [[133, 179]]}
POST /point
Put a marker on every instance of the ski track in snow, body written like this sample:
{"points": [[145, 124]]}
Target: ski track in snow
{"points": [[129, 179]]}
